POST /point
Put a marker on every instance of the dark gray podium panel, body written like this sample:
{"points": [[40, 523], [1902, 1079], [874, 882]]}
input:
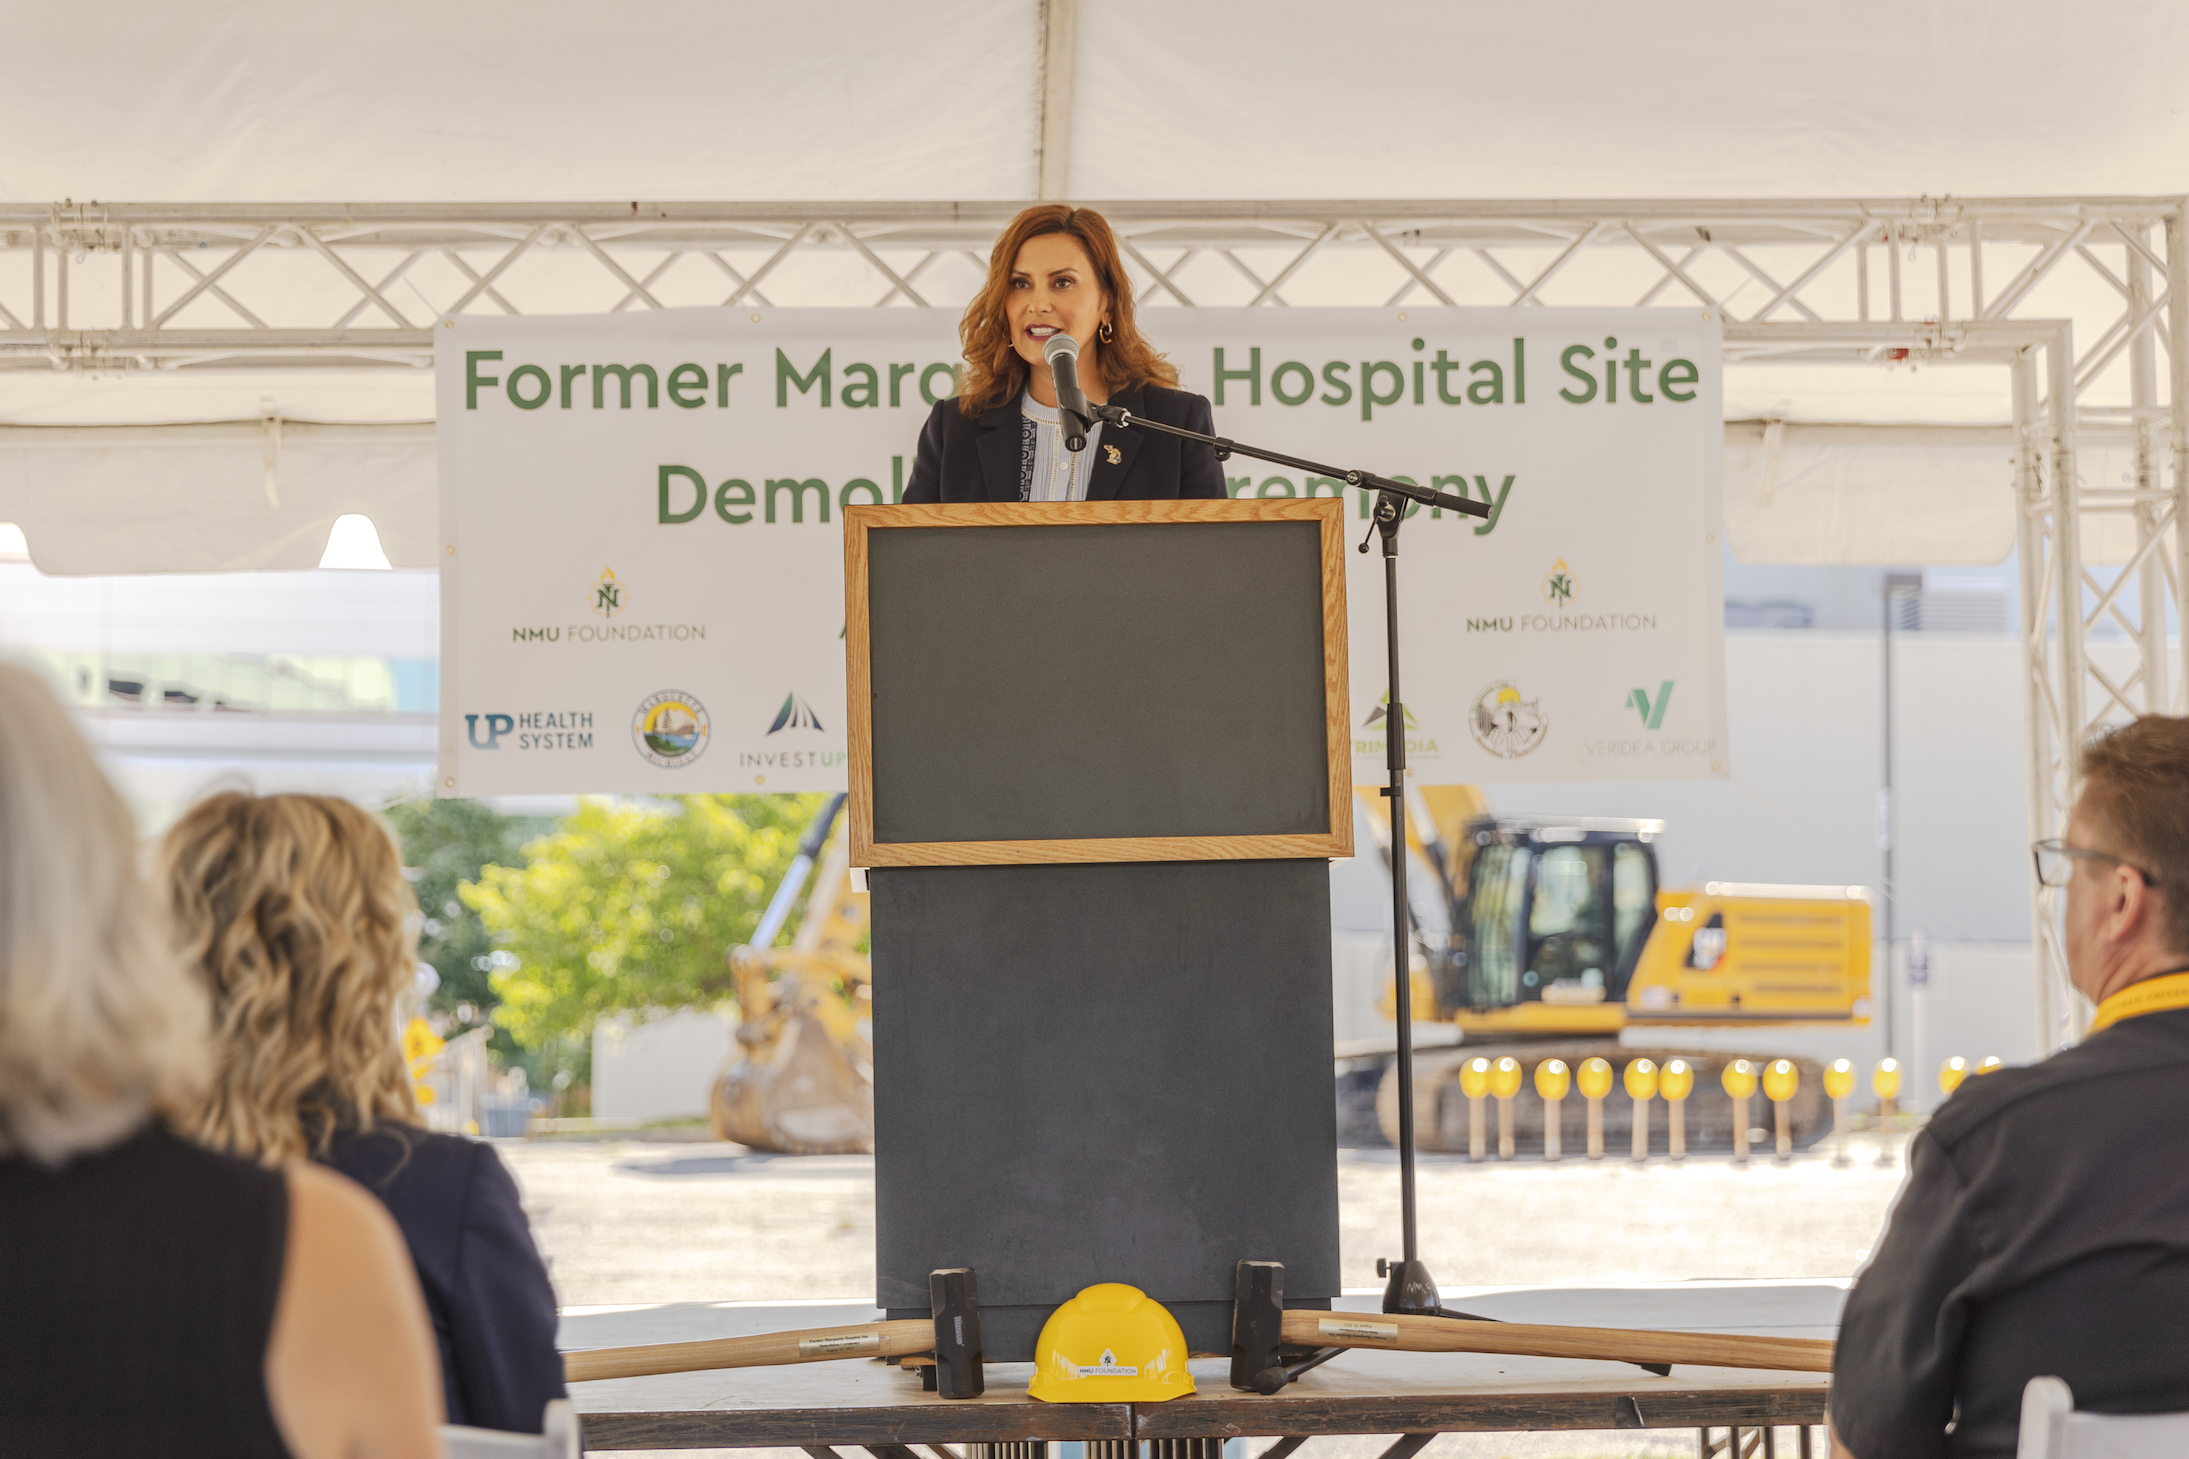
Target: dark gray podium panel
{"points": [[1103, 1073], [1067, 682]]}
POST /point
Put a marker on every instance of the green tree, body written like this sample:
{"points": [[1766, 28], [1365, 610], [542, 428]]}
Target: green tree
{"points": [[630, 906], [445, 844]]}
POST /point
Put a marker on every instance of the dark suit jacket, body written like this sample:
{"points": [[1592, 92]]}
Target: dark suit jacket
{"points": [[976, 459], [486, 1287]]}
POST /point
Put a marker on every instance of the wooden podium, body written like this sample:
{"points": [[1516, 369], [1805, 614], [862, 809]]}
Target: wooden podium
{"points": [[1099, 760]]}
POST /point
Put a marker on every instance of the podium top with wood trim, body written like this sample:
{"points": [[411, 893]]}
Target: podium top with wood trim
{"points": [[1097, 681]]}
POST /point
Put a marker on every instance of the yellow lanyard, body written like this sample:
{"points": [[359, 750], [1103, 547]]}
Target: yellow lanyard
{"points": [[2152, 995]]}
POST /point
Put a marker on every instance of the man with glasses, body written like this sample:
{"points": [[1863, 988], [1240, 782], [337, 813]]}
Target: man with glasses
{"points": [[2044, 1228]]}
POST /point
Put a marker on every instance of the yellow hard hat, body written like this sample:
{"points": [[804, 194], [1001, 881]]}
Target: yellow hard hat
{"points": [[1505, 1077], [1781, 1079], [1886, 1081], [1839, 1080], [1111, 1344], [1738, 1078], [1551, 1079], [1952, 1072], [1474, 1078], [1595, 1078], [1641, 1079], [1676, 1080]]}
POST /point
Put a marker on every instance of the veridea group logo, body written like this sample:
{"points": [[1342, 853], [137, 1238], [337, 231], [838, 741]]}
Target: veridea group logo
{"points": [[670, 728]]}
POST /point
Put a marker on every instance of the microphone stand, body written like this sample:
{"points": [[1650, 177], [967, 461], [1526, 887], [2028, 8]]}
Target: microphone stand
{"points": [[1411, 1290]]}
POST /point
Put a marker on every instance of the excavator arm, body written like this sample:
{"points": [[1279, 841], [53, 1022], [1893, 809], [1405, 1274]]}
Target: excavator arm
{"points": [[801, 1078]]}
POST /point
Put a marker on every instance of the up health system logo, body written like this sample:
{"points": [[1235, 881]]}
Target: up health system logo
{"points": [[535, 729], [670, 728]]}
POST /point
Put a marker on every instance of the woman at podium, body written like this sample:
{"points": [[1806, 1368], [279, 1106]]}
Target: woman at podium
{"points": [[1056, 270]]}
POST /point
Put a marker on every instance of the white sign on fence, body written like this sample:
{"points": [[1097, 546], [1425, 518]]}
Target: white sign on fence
{"points": [[643, 567]]}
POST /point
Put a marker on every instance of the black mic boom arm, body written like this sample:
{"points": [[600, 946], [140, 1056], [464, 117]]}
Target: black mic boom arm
{"points": [[1117, 415]]}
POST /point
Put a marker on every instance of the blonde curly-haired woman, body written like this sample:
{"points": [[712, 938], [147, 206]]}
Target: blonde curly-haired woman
{"points": [[295, 915], [155, 1297]]}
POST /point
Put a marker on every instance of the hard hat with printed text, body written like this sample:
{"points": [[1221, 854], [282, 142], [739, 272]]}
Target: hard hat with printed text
{"points": [[1110, 1344]]}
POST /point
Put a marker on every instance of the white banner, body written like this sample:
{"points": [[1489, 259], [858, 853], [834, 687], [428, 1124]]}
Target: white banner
{"points": [[643, 567]]}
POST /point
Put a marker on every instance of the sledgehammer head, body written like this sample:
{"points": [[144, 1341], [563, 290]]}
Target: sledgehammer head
{"points": [[956, 1301], [1257, 1327]]}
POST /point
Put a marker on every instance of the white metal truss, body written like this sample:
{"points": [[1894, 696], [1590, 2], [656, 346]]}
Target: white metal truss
{"points": [[189, 288]]}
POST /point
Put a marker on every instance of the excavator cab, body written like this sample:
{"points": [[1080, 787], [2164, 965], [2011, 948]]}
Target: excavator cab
{"points": [[1550, 914]]}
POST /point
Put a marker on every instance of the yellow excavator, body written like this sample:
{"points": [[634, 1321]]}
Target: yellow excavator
{"points": [[1542, 939], [1548, 939], [801, 1078]]}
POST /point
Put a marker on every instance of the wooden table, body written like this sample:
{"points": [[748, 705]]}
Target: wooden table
{"points": [[1416, 1395]]}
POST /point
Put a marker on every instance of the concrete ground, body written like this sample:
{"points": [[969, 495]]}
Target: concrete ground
{"points": [[632, 1221]]}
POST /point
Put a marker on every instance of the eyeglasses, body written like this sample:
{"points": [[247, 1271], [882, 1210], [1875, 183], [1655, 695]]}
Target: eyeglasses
{"points": [[2056, 862]]}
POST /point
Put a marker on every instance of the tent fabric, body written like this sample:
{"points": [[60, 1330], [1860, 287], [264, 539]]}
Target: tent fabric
{"points": [[1823, 494], [288, 100], [234, 497], [311, 100]]}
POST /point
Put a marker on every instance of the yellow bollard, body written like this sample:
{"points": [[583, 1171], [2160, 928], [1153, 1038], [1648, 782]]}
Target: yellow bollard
{"points": [[1886, 1082], [1641, 1082], [1951, 1073], [1839, 1082], [1780, 1080], [1505, 1083], [1474, 1082], [1595, 1082], [1675, 1083], [1991, 1063], [1739, 1081], [1550, 1083]]}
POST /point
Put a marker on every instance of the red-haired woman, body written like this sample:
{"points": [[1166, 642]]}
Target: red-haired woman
{"points": [[1056, 270]]}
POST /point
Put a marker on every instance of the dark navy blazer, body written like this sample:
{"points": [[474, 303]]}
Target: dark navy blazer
{"points": [[976, 459], [486, 1287]]}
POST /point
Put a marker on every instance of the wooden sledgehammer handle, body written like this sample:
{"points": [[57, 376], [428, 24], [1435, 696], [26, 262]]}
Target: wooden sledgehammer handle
{"points": [[810, 1345], [1397, 1333]]}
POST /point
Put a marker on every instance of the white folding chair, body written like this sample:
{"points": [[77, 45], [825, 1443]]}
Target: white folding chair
{"points": [[558, 1438], [2052, 1429]]}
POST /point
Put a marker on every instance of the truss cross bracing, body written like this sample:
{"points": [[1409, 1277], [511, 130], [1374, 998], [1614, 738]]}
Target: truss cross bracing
{"points": [[188, 288]]}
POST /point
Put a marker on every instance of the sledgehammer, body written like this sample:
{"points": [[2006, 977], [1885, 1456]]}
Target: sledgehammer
{"points": [[952, 1335], [1261, 1328]]}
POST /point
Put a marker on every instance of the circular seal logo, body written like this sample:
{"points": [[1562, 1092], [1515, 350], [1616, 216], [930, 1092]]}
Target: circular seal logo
{"points": [[1505, 724], [670, 728]]}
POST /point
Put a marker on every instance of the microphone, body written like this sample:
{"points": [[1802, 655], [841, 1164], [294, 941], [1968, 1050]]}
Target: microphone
{"points": [[1062, 353]]}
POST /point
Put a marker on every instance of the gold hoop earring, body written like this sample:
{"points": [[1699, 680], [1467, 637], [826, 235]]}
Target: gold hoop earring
{"points": [[1105, 333]]}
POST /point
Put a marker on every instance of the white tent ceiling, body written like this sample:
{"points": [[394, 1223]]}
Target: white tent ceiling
{"points": [[285, 100], [229, 101]]}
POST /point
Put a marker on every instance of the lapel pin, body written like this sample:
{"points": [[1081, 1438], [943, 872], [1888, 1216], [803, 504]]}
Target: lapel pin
{"points": [[1116, 456]]}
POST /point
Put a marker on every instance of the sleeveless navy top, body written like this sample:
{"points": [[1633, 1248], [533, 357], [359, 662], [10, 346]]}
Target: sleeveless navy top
{"points": [[137, 1291]]}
